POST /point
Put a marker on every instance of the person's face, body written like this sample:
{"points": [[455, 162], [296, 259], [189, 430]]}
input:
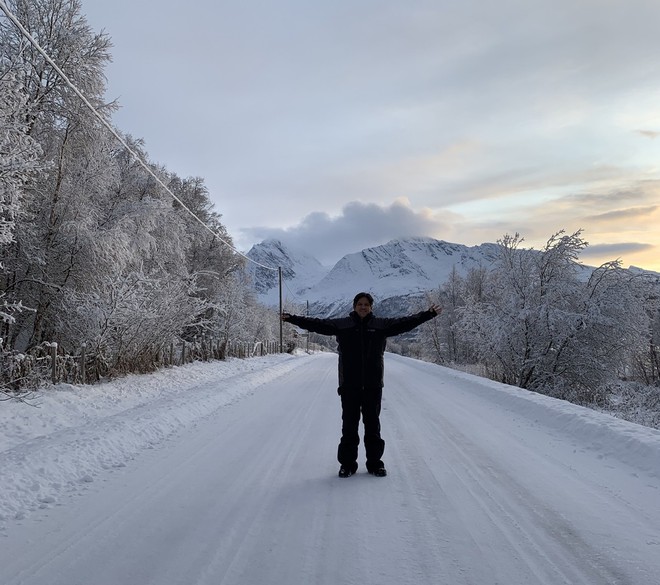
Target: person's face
{"points": [[362, 307]]}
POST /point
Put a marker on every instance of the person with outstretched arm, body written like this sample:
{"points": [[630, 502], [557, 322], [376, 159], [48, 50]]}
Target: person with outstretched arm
{"points": [[361, 339]]}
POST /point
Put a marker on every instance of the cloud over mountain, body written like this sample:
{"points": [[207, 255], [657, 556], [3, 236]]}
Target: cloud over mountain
{"points": [[359, 225]]}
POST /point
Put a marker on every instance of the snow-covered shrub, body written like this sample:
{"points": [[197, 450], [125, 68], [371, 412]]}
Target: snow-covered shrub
{"points": [[635, 402], [542, 325], [129, 319]]}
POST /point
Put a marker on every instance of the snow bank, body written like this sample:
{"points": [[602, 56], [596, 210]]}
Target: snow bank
{"points": [[633, 444], [68, 434]]}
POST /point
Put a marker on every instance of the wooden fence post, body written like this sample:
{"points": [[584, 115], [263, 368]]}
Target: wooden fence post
{"points": [[83, 360], [53, 357]]}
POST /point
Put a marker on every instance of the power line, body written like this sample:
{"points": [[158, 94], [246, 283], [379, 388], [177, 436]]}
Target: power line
{"points": [[109, 127], [294, 295]]}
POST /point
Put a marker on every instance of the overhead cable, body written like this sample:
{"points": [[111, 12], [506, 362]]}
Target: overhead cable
{"points": [[116, 134]]}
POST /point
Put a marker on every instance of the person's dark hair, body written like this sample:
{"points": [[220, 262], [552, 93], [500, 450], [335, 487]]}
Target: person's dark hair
{"points": [[363, 295]]}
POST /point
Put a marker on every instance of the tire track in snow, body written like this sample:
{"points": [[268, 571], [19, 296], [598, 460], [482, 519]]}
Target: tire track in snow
{"points": [[509, 520], [249, 494]]}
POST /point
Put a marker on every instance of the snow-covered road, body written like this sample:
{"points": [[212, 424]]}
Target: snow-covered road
{"points": [[487, 485]]}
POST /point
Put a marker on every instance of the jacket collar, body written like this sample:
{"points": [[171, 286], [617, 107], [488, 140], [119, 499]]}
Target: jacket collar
{"points": [[353, 315]]}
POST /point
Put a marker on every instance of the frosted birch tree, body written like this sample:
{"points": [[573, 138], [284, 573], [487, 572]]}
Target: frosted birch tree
{"points": [[442, 337], [48, 243], [101, 252], [545, 326], [208, 252], [19, 159], [129, 320]]}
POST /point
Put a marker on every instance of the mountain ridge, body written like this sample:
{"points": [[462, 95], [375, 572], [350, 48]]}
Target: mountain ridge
{"points": [[399, 274]]}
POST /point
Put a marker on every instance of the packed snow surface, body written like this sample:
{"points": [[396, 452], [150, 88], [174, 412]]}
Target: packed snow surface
{"points": [[224, 473]]}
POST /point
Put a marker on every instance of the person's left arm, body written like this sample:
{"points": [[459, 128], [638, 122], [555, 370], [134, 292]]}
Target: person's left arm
{"points": [[404, 324]]}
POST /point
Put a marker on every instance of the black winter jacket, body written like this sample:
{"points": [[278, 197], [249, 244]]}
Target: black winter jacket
{"points": [[361, 343]]}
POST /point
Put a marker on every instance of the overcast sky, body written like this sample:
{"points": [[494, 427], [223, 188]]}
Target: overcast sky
{"points": [[336, 125]]}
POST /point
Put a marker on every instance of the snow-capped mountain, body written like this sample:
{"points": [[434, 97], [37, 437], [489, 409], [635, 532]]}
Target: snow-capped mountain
{"points": [[398, 274], [299, 270]]}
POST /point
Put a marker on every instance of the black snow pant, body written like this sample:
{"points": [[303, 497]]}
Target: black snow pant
{"points": [[356, 401]]}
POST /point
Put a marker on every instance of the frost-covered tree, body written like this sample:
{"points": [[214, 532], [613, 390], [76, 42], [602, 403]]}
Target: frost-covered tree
{"points": [[442, 337], [101, 251], [208, 251], [542, 325], [619, 325], [234, 308], [649, 366], [19, 159], [49, 240], [62, 31], [19, 155], [130, 319]]}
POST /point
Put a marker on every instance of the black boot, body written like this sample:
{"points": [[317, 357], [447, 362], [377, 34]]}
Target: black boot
{"points": [[347, 470]]}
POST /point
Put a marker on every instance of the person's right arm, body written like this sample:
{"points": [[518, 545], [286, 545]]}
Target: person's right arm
{"points": [[322, 326]]}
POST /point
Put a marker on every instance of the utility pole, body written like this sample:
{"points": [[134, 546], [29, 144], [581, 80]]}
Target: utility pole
{"points": [[279, 272]]}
